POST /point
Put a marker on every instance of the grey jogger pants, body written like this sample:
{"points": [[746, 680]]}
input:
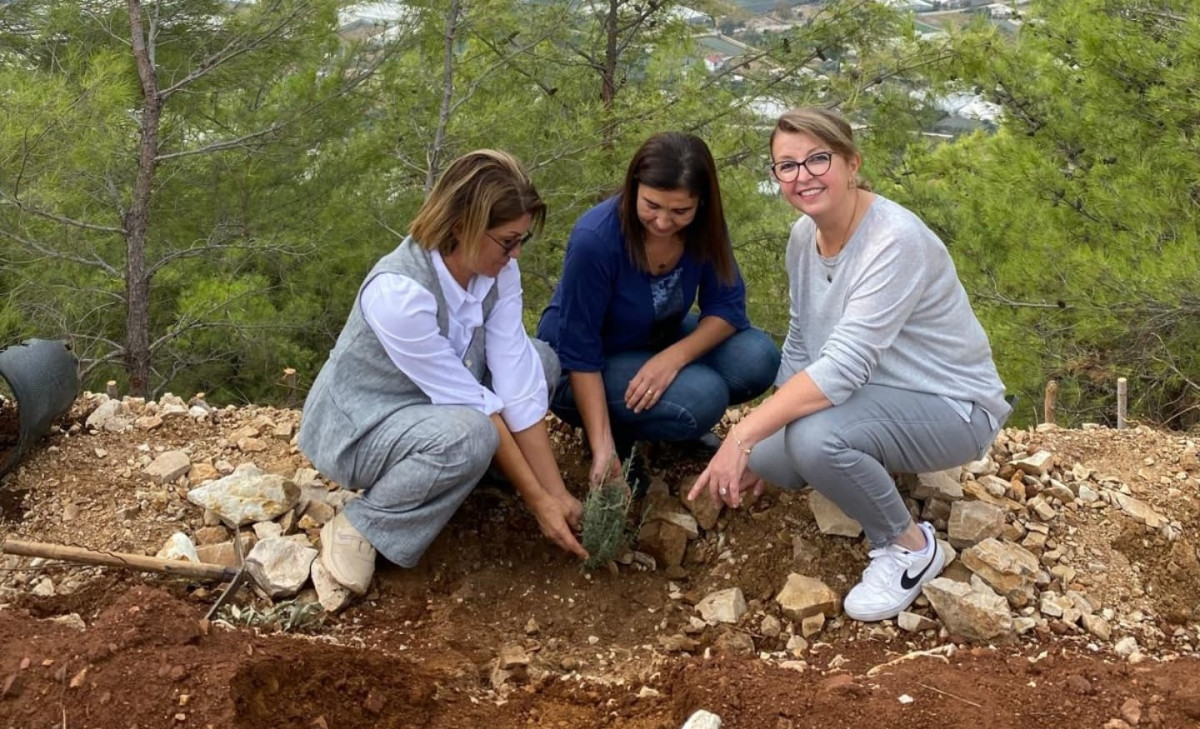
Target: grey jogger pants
{"points": [[847, 452], [420, 465]]}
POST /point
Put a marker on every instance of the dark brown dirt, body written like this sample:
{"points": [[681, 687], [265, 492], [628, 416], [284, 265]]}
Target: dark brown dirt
{"points": [[147, 660]]}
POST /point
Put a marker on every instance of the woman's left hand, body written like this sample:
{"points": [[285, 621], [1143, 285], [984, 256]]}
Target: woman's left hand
{"points": [[726, 478], [651, 381]]}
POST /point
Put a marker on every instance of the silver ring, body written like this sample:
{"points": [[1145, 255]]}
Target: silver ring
{"points": [[724, 491], [650, 392]]}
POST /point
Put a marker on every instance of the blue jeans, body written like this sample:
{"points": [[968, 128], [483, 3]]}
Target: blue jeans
{"points": [[737, 370]]}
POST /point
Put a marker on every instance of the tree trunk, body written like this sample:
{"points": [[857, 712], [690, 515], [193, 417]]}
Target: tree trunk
{"points": [[608, 88], [608, 73], [439, 134], [137, 280]]}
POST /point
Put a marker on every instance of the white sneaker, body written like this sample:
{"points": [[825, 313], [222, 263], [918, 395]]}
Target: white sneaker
{"points": [[347, 555], [893, 580]]}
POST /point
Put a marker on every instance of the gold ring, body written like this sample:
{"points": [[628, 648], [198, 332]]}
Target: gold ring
{"points": [[650, 392]]}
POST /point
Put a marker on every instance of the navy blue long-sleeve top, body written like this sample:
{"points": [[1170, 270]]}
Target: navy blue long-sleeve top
{"points": [[603, 303]]}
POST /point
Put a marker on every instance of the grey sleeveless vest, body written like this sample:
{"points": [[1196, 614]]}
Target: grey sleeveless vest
{"points": [[359, 386]]}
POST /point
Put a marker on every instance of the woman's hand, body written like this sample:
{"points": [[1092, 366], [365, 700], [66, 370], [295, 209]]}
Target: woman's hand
{"points": [[554, 520], [651, 381], [572, 511], [727, 477], [606, 466]]}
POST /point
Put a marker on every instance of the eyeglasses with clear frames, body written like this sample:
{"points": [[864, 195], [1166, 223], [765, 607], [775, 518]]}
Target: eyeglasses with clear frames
{"points": [[510, 245], [816, 164]]}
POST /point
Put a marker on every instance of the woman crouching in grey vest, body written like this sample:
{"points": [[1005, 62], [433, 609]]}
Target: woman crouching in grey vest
{"points": [[433, 377]]}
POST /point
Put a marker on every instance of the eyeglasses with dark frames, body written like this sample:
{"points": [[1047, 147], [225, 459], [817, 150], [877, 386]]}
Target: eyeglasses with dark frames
{"points": [[816, 164], [510, 245]]}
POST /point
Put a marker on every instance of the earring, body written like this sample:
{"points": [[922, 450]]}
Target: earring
{"points": [[853, 184]]}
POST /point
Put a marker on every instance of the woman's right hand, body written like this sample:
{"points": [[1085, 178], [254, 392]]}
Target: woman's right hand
{"points": [[555, 522]]}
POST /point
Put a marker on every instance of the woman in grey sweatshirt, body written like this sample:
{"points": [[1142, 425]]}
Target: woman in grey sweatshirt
{"points": [[885, 367]]}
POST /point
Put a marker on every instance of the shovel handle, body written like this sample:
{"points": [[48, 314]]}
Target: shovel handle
{"points": [[196, 570]]}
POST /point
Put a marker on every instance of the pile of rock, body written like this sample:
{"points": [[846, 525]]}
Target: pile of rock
{"points": [[283, 516], [268, 521], [1007, 525]]}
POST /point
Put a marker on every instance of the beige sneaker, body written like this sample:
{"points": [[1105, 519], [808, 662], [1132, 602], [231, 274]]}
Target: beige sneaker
{"points": [[347, 555]]}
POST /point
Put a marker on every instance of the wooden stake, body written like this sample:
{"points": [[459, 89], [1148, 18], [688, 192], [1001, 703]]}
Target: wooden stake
{"points": [[110, 389], [289, 380], [196, 570], [1048, 402], [1122, 393]]}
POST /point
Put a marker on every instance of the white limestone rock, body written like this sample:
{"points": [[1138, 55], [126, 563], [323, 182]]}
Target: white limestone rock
{"points": [[246, 496], [280, 566], [168, 467], [969, 612], [723, 606], [830, 518], [803, 596], [179, 547]]}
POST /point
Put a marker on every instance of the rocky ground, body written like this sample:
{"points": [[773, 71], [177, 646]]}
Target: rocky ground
{"points": [[1074, 598]]}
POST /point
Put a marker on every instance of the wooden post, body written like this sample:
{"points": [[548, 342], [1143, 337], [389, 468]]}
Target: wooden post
{"points": [[289, 380], [1048, 402], [110, 389], [1122, 395]]}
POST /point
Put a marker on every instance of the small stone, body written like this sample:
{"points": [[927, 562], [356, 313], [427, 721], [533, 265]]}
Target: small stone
{"points": [[1126, 646], [677, 643], [703, 720], [179, 547], [723, 606], [831, 519], [770, 627], [1131, 711], [914, 623], [167, 467], [332, 595]]}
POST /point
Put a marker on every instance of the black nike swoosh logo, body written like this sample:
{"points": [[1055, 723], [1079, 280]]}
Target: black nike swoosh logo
{"points": [[907, 583]]}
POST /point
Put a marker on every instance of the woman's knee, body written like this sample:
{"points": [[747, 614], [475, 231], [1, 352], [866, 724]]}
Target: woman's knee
{"points": [[749, 362], [812, 447], [470, 438], [762, 359], [700, 395]]}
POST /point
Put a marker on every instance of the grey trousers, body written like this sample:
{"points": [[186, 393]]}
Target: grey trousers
{"points": [[417, 467], [847, 452]]}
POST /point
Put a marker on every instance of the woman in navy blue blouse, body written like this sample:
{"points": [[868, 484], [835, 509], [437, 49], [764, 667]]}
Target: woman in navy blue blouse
{"points": [[638, 363]]}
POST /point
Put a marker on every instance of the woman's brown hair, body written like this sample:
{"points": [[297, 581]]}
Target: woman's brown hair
{"points": [[678, 161]]}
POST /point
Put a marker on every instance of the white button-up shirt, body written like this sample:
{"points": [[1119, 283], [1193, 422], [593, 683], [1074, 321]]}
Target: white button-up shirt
{"points": [[403, 314]]}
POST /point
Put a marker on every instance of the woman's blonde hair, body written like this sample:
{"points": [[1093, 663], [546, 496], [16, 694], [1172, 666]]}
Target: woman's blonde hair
{"points": [[478, 191], [826, 125]]}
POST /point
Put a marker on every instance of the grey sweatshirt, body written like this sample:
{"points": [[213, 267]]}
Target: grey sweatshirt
{"points": [[888, 310]]}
